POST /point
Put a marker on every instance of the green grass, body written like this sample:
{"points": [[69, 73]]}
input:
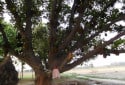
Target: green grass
{"points": [[30, 76], [26, 75], [75, 76]]}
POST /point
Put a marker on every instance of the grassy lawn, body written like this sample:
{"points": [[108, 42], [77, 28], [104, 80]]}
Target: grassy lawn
{"points": [[26, 75], [28, 79], [86, 74]]}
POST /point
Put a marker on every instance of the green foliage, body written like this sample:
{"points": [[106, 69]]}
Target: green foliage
{"points": [[10, 34], [20, 8], [118, 44], [40, 40]]}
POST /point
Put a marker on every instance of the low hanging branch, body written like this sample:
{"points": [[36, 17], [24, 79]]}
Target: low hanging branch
{"points": [[91, 54]]}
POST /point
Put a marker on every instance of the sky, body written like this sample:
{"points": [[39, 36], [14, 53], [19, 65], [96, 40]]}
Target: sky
{"points": [[99, 61]]}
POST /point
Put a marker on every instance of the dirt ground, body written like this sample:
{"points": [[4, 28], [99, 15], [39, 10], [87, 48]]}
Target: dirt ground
{"points": [[97, 76]]}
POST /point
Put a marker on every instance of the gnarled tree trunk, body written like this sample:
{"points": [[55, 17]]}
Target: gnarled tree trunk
{"points": [[43, 78], [8, 74]]}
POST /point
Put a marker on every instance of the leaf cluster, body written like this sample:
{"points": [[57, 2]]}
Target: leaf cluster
{"points": [[40, 41]]}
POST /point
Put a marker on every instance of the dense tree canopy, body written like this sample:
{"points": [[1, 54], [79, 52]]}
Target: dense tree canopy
{"points": [[69, 34]]}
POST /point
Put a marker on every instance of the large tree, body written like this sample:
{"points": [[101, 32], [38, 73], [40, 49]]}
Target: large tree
{"points": [[73, 35]]}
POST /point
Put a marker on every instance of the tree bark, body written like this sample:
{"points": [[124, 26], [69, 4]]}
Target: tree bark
{"points": [[8, 74], [43, 78]]}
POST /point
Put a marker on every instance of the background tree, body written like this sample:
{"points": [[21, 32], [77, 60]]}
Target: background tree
{"points": [[8, 74], [74, 32]]}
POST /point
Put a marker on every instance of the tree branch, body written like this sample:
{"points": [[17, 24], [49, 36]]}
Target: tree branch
{"points": [[56, 8], [82, 43], [109, 4], [91, 54], [76, 22], [34, 62], [28, 28], [13, 9], [73, 10], [5, 60], [116, 52]]}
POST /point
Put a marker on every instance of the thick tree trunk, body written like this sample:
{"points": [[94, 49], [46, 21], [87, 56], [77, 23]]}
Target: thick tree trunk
{"points": [[8, 74], [43, 78]]}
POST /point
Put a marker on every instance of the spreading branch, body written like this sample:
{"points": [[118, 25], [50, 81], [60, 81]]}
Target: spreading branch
{"points": [[76, 23], [91, 54], [55, 10], [83, 42]]}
